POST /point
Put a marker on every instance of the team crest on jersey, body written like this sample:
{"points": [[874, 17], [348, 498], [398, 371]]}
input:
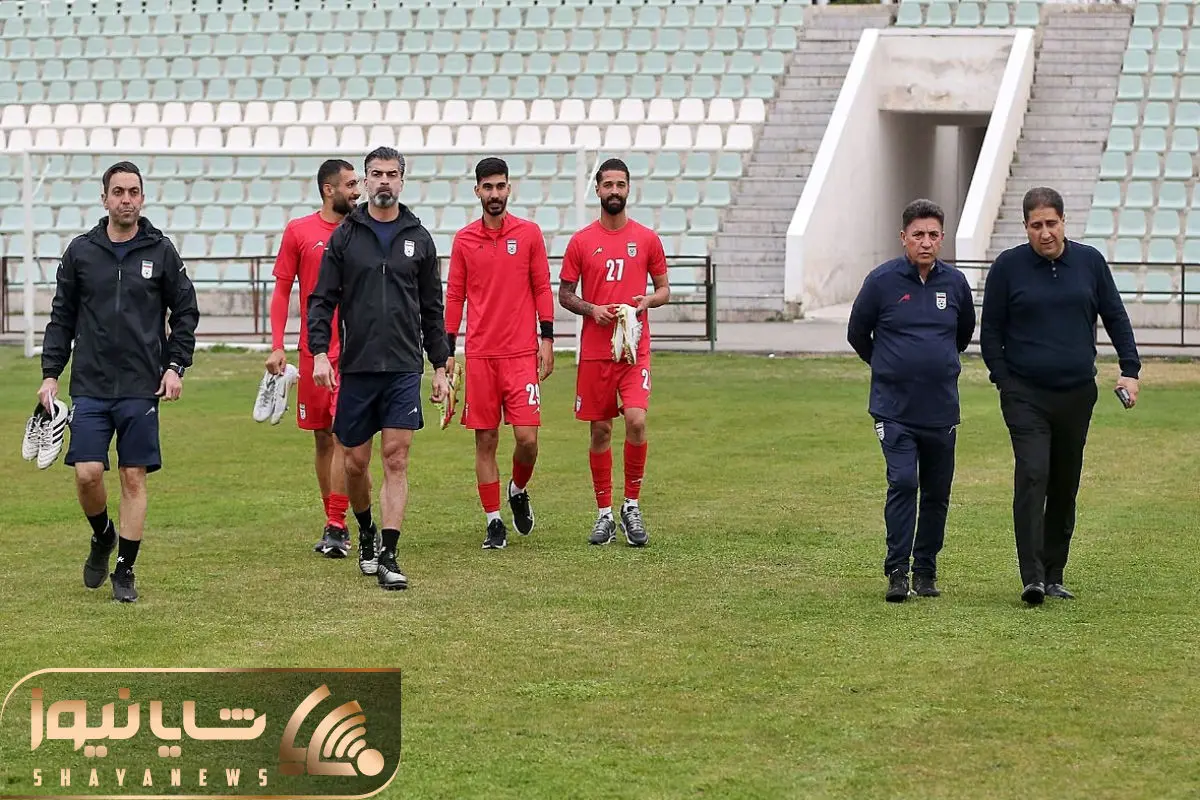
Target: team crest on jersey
{"points": [[147, 269], [410, 247], [512, 247], [940, 300], [631, 248]]}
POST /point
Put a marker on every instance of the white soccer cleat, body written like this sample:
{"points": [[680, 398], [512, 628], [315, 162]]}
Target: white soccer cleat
{"points": [[32, 441], [282, 385], [54, 430], [627, 332], [264, 402]]}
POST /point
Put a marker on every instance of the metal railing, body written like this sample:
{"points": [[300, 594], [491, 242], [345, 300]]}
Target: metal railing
{"points": [[256, 282]]}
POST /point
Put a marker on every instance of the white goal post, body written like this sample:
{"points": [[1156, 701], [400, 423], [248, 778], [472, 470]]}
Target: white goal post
{"points": [[34, 161]]}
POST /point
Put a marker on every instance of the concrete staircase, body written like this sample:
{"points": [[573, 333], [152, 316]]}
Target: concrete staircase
{"points": [[749, 251], [1069, 116]]}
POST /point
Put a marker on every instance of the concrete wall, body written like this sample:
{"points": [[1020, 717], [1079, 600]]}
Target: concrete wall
{"points": [[895, 135]]}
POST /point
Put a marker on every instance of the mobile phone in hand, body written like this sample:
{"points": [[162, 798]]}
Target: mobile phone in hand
{"points": [[1123, 395]]}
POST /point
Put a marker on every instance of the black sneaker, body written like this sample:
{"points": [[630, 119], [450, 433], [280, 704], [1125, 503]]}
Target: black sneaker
{"points": [[388, 574], [334, 544], [497, 535], [1033, 594], [368, 563], [633, 527], [96, 566], [897, 587], [122, 585], [604, 531], [1059, 591], [925, 586], [522, 511]]}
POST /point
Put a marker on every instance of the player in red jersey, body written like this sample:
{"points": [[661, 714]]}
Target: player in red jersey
{"points": [[300, 253], [615, 258], [498, 265]]}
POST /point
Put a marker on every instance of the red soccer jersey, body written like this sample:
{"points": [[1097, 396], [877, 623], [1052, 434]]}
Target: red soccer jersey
{"points": [[504, 277], [300, 254], [613, 267]]}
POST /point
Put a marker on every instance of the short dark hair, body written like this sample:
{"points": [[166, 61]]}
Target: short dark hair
{"points": [[384, 154], [488, 167], [1041, 197], [329, 170], [612, 164], [122, 166], [922, 209]]}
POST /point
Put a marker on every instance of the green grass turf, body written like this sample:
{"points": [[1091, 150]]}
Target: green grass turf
{"points": [[746, 653]]}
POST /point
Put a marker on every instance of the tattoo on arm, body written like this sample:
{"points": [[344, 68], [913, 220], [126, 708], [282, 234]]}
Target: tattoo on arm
{"points": [[571, 301]]}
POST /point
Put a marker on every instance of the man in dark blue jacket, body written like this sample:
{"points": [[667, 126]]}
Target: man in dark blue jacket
{"points": [[115, 287], [911, 319], [1037, 337]]}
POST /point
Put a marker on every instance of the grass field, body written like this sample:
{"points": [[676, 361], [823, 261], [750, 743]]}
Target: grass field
{"points": [[746, 653]]}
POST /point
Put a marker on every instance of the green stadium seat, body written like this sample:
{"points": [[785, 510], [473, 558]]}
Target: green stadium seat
{"points": [[1131, 222], [1158, 287], [1139, 194], [1128, 251], [1178, 166], [1165, 223], [938, 15], [1113, 166], [1173, 195], [909, 15], [968, 15], [1157, 114], [1162, 87], [1107, 195], [1100, 223], [1145, 165], [1125, 114], [1176, 15]]}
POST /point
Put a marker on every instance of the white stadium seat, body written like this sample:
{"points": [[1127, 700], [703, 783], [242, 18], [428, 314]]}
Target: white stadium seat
{"points": [[48, 137], [354, 138], [66, 114], [210, 138], [157, 139], [691, 111], [721, 111], [284, 112], [661, 111], [558, 136], [469, 136], [739, 137], [239, 137], [512, 111], [708, 137], [455, 112], [341, 112], [146, 114], [174, 114], [410, 137], [100, 139], [649, 137], [40, 116], [631, 111], [425, 112], [382, 136], [13, 117], [752, 111], [679, 137], [312, 111], [529, 136], [539, 111], [498, 136], [616, 137], [602, 112], [324, 137], [74, 139], [588, 136], [484, 112], [119, 114], [185, 139], [571, 112], [266, 137], [370, 112], [295, 137]]}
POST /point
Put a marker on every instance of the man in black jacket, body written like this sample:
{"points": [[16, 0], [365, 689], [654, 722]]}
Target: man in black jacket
{"points": [[1040, 305], [381, 271], [116, 285], [911, 319]]}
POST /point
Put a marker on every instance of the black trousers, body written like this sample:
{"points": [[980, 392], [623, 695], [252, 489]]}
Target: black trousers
{"points": [[917, 459], [1048, 431]]}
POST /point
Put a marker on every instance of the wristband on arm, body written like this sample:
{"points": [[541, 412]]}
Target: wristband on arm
{"points": [[548, 330]]}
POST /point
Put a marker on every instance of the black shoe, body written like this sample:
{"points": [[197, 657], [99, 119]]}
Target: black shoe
{"points": [[334, 544], [1034, 594], [497, 535], [368, 563], [96, 566], [633, 527], [925, 586], [1059, 591], [122, 585], [897, 587], [604, 531], [522, 511], [389, 575]]}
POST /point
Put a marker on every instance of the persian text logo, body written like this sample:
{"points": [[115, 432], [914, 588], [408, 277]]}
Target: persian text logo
{"points": [[274, 739]]}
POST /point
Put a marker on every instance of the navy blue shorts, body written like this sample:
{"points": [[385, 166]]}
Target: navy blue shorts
{"points": [[368, 402], [133, 419]]}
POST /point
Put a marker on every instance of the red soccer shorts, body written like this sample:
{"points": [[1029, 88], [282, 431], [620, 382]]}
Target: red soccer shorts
{"points": [[502, 384], [603, 389], [314, 404]]}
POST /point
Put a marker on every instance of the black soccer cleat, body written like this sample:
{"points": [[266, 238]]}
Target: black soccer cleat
{"points": [[388, 574], [633, 527], [1059, 591], [1033, 594], [368, 562], [334, 544], [522, 511], [604, 531], [96, 566], [123, 588], [897, 587], [925, 585], [497, 535]]}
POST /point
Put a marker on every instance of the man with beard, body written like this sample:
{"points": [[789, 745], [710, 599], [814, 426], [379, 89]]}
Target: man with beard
{"points": [[380, 272], [115, 285], [498, 266], [1037, 337], [615, 258], [300, 252]]}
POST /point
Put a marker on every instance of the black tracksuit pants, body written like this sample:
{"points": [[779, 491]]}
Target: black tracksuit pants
{"points": [[917, 459], [1048, 429]]}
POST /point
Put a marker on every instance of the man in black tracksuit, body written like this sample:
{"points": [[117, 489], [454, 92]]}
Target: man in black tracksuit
{"points": [[381, 271], [911, 319], [116, 285], [1037, 336]]}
